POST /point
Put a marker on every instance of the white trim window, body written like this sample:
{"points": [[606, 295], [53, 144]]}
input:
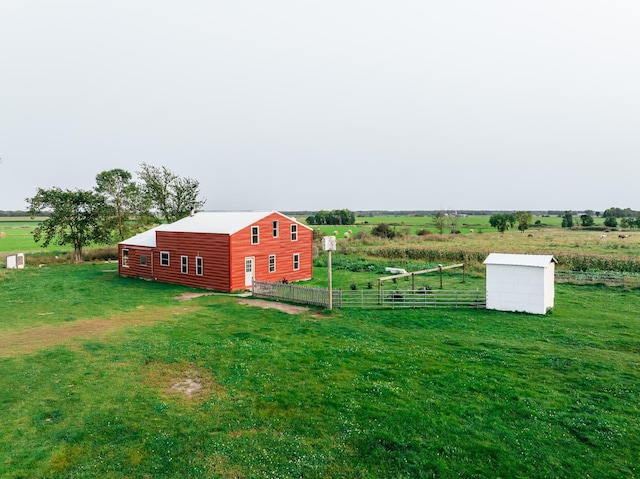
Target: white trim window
{"points": [[184, 264], [164, 258], [255, 235], [296, 261], [272, 263], [294, 232], [125, 257], [199, 268], [275, 230]]}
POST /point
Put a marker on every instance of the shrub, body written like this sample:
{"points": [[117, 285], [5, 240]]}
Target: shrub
{"points": [[383, 230], [361, 235]]}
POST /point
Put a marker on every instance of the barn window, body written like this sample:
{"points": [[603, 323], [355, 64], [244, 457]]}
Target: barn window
{"points": [[199, 265], [272, 263], [254, 235], [274, 229], [184, 264], [294, 232], [164, 258], [143, 260], [125, 258], [296, 261]]}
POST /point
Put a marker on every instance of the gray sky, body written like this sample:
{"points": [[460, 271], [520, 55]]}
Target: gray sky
{"points": [[307, 105]]}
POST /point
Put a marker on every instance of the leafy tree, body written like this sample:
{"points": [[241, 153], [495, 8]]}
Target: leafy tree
{"points": [[611, 221], [77, 218], [586, 220], [567, 219], [524, 219], [173, 196], [439, 221], [123, 195], [502, 221], [620, 213]]}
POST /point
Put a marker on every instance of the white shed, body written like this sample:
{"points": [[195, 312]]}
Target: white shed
{"points": [[15, 261], [520, 282]]}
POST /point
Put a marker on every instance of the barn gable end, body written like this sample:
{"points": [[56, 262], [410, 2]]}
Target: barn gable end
{"points": [[522, 283]]}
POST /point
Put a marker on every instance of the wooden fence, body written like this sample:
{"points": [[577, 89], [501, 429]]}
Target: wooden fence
{"points": [[292, 292], [370, 298]]}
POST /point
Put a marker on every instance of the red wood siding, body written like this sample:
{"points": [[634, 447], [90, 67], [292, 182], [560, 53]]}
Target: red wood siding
{"points": [[282, 247], [212, 248], [224, 256], [135, 269]]}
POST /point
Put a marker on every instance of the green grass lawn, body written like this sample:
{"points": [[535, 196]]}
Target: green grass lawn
{"points": [[98, 385]]}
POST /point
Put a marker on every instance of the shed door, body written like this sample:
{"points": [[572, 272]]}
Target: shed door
{"points": [[248, 270]]}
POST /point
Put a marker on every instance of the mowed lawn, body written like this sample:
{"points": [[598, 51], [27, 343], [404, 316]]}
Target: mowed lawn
{"points": [[110, 377]]}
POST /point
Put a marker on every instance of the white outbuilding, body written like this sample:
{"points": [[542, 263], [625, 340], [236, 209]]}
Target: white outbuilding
{"points": [[520, 282], [15, 261]]}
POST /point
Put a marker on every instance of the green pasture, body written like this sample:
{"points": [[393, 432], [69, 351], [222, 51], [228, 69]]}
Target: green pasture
{"points": [[113, 377], [16, 237], [466, 224]]}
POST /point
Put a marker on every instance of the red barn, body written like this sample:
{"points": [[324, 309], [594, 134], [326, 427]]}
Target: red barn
{"points": [[222, 251]]}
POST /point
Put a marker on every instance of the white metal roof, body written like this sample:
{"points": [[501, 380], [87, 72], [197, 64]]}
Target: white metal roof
{"points": [[535, 260], [147, 238], [221, 222], [224, 222]]}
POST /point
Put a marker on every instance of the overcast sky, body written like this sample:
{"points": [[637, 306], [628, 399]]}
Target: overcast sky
{"points": [[308, 105]]}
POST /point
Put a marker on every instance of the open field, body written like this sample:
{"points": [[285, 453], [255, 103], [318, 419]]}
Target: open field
{"points": [[479, 224], [115, 377], [568, 245], [16, 237]]}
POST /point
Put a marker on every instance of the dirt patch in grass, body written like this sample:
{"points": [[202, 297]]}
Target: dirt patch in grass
{"points": [[32, 340], [188, 296], [287, 308], [183, 381]]}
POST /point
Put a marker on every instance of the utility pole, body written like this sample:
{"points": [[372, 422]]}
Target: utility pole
{"points": [[329, 245]]}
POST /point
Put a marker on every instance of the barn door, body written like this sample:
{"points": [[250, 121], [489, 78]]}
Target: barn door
{"points": [[249, 267]]}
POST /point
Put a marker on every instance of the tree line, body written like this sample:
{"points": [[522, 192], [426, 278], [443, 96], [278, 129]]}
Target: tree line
{"points": [[333, 217], [116, 208]]}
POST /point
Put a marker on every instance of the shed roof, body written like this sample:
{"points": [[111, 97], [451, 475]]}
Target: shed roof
{"points": [[220, 222], [146, 238], [533, 260]]}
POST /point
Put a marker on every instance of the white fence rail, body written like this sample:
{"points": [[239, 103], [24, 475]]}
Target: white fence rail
{"points": [[392, 299]]}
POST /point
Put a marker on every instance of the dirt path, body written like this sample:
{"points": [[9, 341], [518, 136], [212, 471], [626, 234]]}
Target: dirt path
{"points": [[287, 308], [32, 340], [261, 303]]}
